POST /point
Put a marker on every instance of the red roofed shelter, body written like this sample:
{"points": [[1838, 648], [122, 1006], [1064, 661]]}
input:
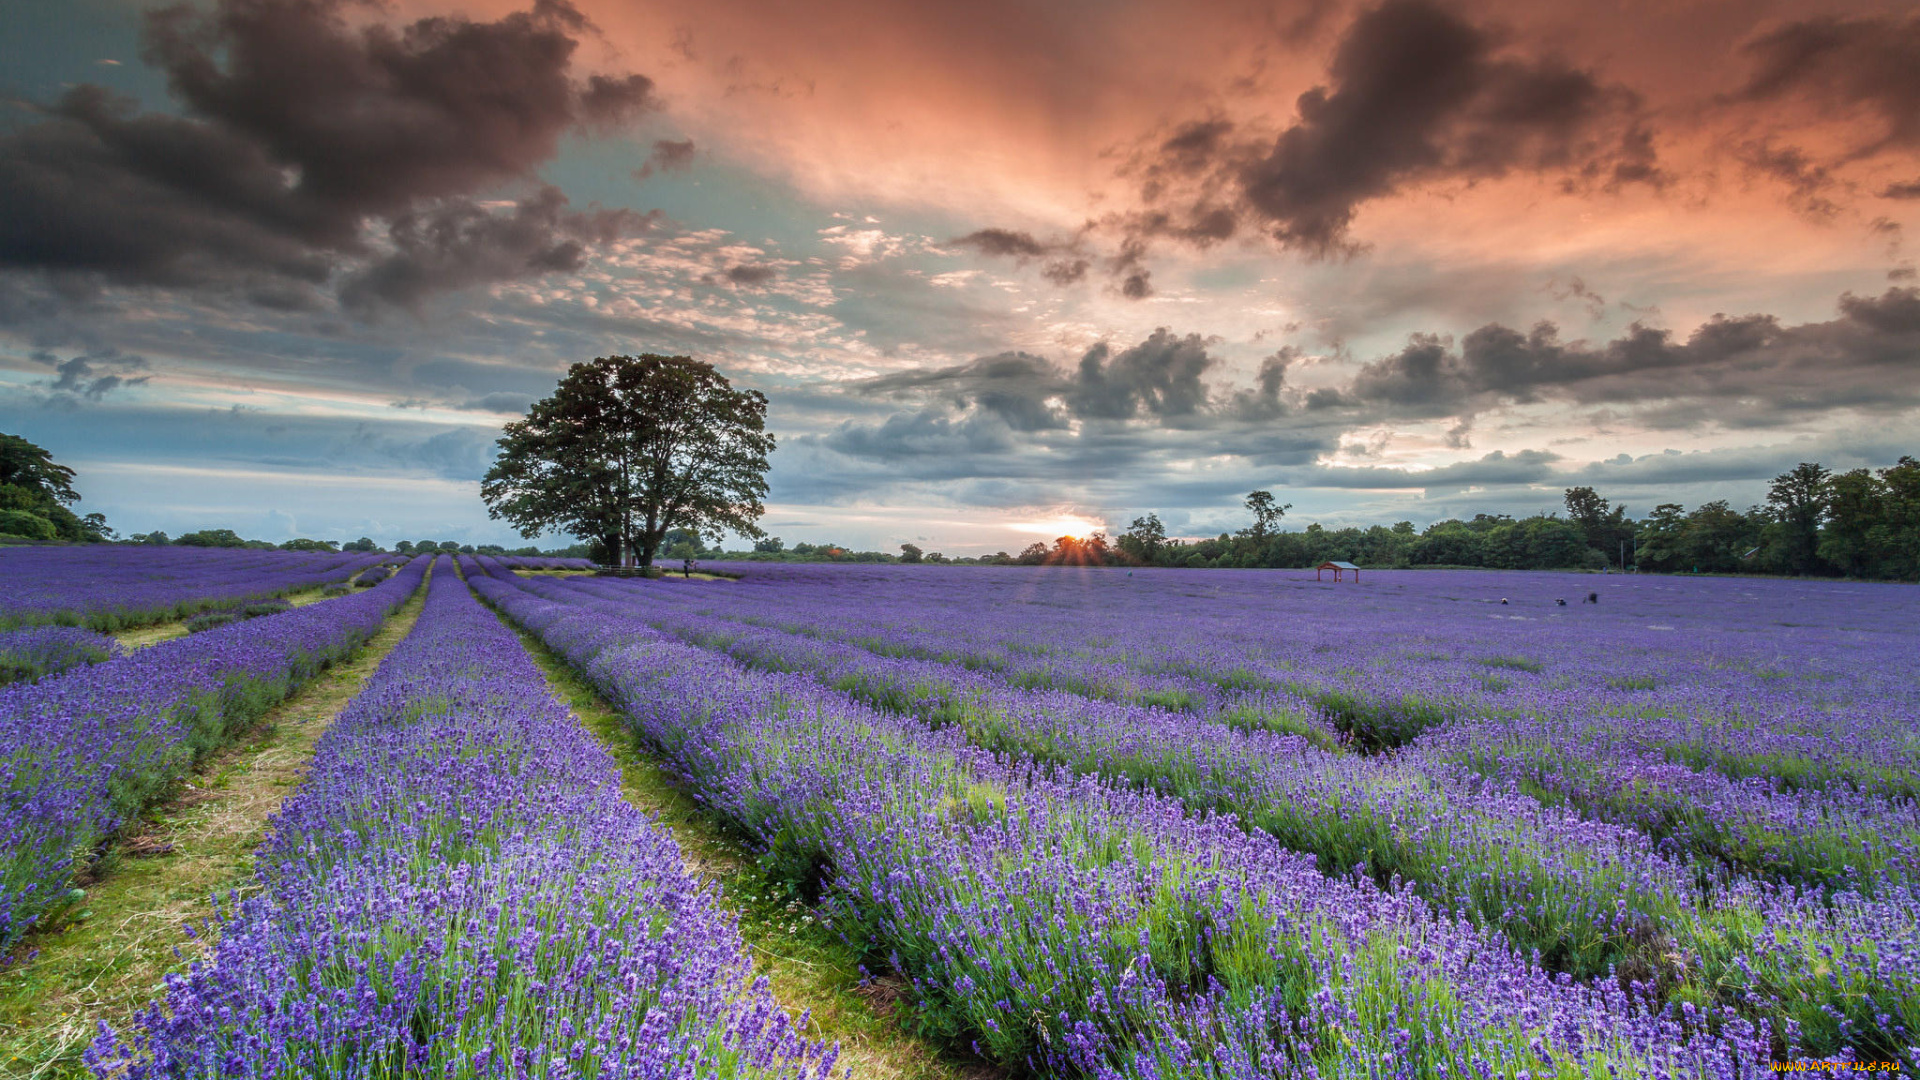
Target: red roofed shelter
{"points": [[1338, 567]]}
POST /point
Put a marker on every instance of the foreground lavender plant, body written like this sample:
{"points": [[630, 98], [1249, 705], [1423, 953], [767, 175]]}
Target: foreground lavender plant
{"points": [[459, 890], [83, 752]]}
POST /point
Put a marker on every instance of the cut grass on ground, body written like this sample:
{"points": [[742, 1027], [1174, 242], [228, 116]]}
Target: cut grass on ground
{"points": [[809, 967], [164, 873]]}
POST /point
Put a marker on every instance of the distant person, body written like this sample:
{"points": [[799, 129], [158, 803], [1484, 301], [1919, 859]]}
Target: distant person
{"points": [[1503, 599], [1593, 598], [1561, 602]]}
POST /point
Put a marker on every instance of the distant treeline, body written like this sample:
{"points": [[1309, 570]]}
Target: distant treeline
{"points": [[1863, 524], [227, 538]]}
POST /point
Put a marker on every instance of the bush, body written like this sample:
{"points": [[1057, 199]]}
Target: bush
{"points": [[207, 620], [37, 651], [265, 607], [335, 590], [27, 525]]}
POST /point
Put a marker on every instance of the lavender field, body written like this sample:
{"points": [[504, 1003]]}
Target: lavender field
{"points": [[1092, 822], [107, 587], [1216, 823]]}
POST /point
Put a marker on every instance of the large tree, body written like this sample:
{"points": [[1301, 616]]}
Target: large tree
{"points": [[629, 447], [24, 465], [31, 482]]}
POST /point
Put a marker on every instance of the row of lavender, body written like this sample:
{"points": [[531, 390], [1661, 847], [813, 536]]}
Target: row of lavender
{"points": [[1070, 923], [459, 890], [1592, 897], [1811, 683], [110, 587], [83, 752], [34, 652], [1812, 834], [1801, 777], [542, 562]]}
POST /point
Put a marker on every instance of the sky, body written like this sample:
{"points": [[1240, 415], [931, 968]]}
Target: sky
{"points": [[1004, 270]]}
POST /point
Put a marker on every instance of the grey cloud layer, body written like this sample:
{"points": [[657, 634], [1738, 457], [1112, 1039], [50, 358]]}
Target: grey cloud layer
{"points": [[1138, 411], [1868, 357], [1160, 378]]}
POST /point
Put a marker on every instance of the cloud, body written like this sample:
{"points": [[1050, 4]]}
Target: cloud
{"points": [[1160, 400], [1064, 261], [1843, 67], [1496, 468], [1415, 94], [1159, 378], [498, 403], [752, 275], [1007, 242], [455, 245], [1576, 289], [1263, 401], [1806, 181], [301, 130], [1758, 369], [668, 156], [90, 376]]}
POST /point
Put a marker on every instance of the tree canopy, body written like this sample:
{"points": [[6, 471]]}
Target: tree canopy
{"points": [[35, 493], [628, 448], [24, 465]]}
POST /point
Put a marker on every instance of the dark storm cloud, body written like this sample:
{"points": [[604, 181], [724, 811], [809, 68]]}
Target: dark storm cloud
{"points": [[456, 244], [1415, 93], [928, 433], [1116, 416], [1027, 392], [1844, 66], [300, 131]]}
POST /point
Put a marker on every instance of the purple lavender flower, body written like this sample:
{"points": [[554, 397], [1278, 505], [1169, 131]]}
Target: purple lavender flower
{"points": [[459, 889]]}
